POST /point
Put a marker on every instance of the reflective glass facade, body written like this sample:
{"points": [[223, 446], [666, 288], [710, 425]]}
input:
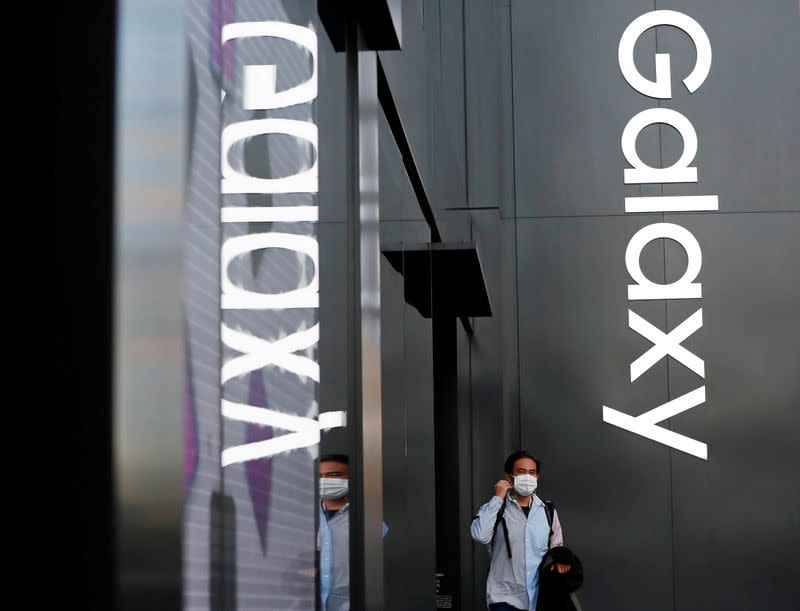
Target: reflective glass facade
{"points": [[407, 240]]}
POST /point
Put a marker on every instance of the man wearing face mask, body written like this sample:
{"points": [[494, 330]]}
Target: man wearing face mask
{"points": [[513, 581], [333, 539], [334, 532]]}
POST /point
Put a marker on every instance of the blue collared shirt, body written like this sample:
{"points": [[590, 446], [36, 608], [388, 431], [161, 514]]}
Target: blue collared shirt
{"points": [[334, 560], [515, 580]]}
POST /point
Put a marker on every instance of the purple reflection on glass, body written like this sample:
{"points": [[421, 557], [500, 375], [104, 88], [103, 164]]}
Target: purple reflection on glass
{"points": [[259, 472], [222, 12]]}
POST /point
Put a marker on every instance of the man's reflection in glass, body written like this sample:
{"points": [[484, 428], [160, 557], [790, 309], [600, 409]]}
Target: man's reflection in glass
{"points": [[334, 532]]}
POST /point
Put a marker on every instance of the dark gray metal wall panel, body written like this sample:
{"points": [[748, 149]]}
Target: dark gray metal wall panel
{"points": [[408, 435], [418, 400], [420, 563], [571, 104], [392, 232], [334, 391], [745, 113], [395, 464], [407, 73], [488, 376], [625, 501], [394, 190], [427, 81], [398, 201], [331, 111], [447, 125], [612, 493], [487, 88], [505, 149], [494, 356], [487, 356], [619, 509], [737, 513], [445, 78], [454, 226], [508, 313], [395, 232], [470, 591]]}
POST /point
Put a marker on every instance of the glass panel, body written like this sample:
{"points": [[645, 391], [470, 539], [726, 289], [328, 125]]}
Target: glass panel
{"points": [[252, 275]]}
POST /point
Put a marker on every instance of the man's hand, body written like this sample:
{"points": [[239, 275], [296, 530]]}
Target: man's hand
{"points": [[501, 487], [561, 568]]}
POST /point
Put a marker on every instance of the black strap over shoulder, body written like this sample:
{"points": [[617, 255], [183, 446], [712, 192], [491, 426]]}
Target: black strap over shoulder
{"points": [[497, 522], [549, 511]]}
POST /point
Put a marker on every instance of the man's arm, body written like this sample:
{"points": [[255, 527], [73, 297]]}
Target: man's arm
{"points": [[483, 525], [557, 538]]}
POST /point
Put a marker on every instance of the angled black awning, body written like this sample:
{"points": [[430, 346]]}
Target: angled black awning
{"points": [[441, 278], [381, 22]]}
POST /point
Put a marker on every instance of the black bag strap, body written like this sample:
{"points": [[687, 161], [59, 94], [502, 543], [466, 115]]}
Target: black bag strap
{"points": [[497, 521], [500, 519], [549, 511]]}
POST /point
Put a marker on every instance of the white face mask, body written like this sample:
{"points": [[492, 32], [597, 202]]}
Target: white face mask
{"points": [[332, 488], [525, 485]]}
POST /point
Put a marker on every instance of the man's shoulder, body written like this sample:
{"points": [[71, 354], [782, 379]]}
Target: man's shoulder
{"points": [[546, 502], [495, 501]]}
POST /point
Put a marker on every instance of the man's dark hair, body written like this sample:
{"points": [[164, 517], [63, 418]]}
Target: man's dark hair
{"points": [[509, 466], [342, 458]]}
